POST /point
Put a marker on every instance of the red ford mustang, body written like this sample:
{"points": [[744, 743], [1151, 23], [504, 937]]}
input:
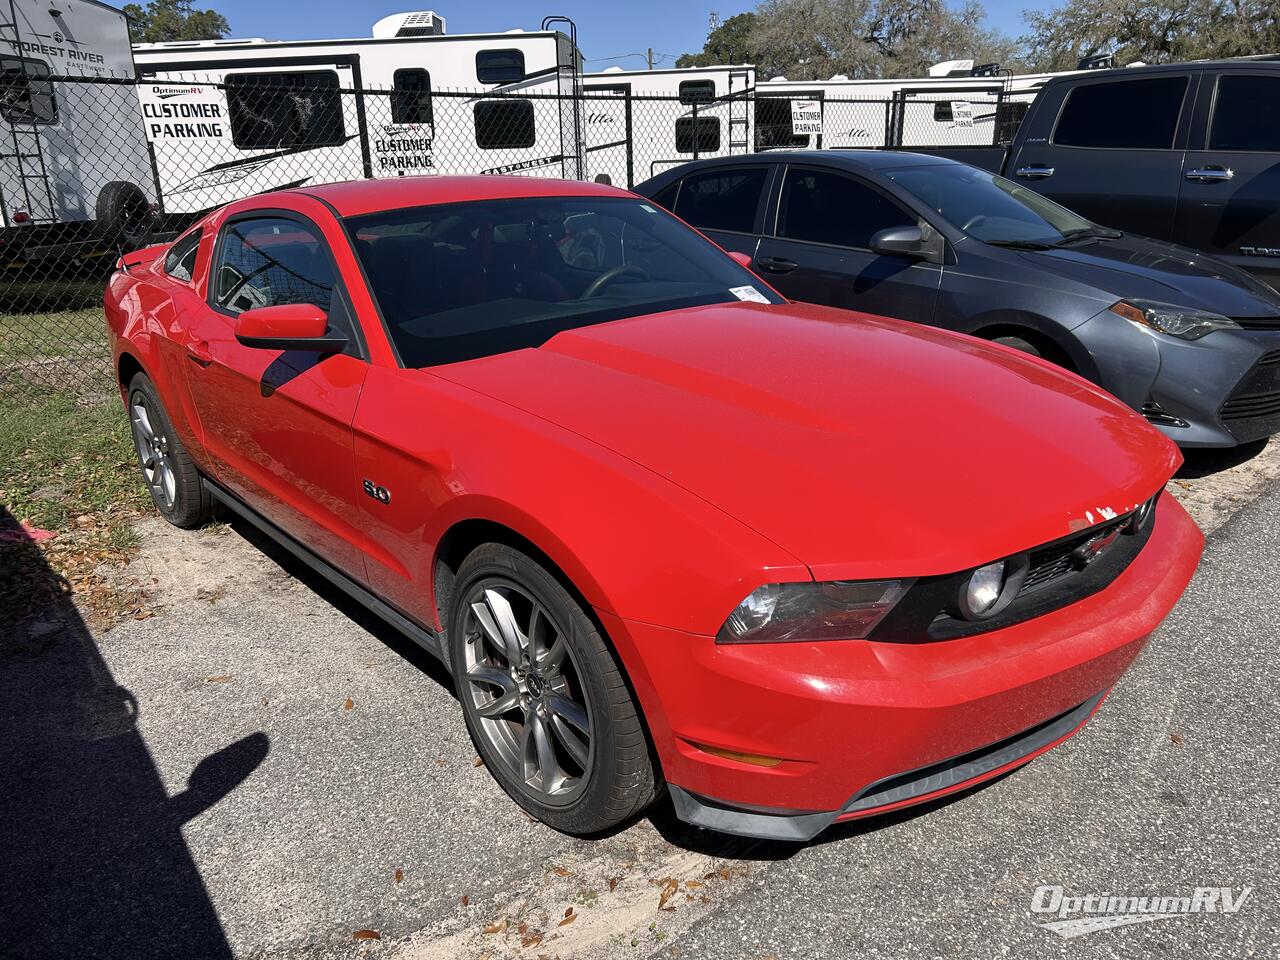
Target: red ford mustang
{"points": [[666, 529]]}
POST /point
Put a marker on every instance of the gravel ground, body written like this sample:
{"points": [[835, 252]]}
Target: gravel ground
{"points": [[260, 770]]}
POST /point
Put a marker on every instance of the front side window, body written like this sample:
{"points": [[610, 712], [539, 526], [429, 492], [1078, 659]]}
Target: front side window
{"points": [[821, 206], [697, 91], [465, 280], [180, 262], [989, 207], [411, 96], [285, 110], [500, 66], [1126, 114], [722, 199], [26, 93], [697, 135], [268, 261], [505, 124], [1246, 114]]}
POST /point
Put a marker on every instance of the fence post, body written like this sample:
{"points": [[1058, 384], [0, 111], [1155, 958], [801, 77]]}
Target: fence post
{"points": [[697, 133]]}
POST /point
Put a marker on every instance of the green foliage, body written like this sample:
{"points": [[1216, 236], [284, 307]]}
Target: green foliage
{"points": [[731, 42], [165, 20]]}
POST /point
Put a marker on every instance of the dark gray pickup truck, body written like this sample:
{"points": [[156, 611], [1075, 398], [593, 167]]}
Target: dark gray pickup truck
{"points": [[1188, 152]]}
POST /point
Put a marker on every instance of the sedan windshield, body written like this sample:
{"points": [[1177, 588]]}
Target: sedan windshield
{"points": [[993, 209], [465, 280]]}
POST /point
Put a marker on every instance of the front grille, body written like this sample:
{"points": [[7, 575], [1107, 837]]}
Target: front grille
{"points": [[1253, 409], [1054, 561]]}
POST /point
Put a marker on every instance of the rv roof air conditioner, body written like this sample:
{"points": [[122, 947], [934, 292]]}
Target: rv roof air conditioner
{"points": [[952, 68], [415, 23], [1102, 61]]}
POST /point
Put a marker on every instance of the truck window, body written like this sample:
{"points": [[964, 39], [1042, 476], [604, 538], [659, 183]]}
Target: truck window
{"points": [[411, 96], [25, 95], [500, 66], [722, 199], [1246, 114], [504, 124], [290, 110], [697, 91], [697, 134], [1126, 114], [819, 206]]}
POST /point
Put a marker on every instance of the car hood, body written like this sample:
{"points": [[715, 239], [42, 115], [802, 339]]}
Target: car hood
{"points": [[1135, 267], [865, 447]]}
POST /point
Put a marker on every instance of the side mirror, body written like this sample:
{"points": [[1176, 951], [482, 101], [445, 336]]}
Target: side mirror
{"points": [[743, 259], [899, 242], [288, 326]]}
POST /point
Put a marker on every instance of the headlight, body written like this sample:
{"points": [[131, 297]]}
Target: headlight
{"points": [[838, 610], [1186, 323]]}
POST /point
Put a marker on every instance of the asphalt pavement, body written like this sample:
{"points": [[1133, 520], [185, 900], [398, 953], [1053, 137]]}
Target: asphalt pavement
{"points": [[261, 770]]}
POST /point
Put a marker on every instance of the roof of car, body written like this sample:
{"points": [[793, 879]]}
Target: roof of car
{"points": [[357, 197], [865, 160]]}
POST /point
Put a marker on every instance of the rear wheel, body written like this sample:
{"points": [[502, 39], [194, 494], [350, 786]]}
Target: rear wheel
{"points": [[171, 477], [544, 699]]}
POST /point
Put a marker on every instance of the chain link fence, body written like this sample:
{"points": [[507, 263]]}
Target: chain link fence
{"points": [[90, 168]]}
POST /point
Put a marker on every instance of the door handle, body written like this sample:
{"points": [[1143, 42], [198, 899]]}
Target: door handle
{"points": [[1034, 172], [1210, 174], [777, 264], [198, 352]]}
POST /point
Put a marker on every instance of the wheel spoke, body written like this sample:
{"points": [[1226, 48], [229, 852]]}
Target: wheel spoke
{"points": [[505, 619], [508, 697], [489, 628], [564, 708], [553, 659], [143, 421], [540, 756], [574, 745]]}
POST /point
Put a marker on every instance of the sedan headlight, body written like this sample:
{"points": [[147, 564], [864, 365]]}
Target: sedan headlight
{"points": [[837, 610], [1186, 323]]}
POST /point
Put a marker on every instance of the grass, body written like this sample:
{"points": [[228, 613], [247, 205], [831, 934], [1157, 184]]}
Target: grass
{"points": [[67, 467]]}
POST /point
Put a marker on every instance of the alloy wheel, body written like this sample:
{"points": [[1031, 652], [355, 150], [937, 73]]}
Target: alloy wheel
{"points": [[524, 684], [153, 451]]}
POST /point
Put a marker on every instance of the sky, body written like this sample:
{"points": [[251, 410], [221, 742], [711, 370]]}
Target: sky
{"points": [[606, 28]]}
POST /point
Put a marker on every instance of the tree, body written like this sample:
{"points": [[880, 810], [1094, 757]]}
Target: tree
{"points": [[728, 43], [164, 20]]}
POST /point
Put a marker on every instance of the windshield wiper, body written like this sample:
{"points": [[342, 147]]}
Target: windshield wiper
{"points": [[1021, 244], [1090, 233]]}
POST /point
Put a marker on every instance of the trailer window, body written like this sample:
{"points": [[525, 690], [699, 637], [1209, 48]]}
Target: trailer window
{"points": [[290, 110], [943, 112], [411, 97], [504, 124], [697, 91], [1246, 114], [697, 135], [773, 124], [1126, 114], [500, 66], [26, 95]]}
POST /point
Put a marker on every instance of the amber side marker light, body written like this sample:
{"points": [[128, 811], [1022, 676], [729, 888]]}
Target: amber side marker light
{"points": [[752, 758]]}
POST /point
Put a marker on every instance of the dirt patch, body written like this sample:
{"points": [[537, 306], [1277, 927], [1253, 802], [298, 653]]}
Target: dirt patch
{"points": [[1214, 484]]}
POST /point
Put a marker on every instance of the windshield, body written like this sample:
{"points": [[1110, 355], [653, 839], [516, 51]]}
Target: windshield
{"points": [[465, 280], [989, 207]]}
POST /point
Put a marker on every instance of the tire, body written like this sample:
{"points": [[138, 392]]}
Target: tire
{"points": [[172, 479], [584, 787], [124, 214], [1026, 346]]}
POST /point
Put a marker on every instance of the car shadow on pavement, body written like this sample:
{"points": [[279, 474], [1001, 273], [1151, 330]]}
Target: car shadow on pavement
{"points": [[1204, 463], [727, 847], [94, 860]]}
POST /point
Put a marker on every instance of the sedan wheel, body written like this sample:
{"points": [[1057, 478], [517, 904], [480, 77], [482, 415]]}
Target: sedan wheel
{"points": [[153, 452]]}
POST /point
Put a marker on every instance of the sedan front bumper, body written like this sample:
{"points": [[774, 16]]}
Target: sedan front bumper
{"points": [[845, 729]]}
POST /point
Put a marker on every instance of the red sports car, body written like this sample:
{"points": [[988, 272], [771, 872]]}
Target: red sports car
{"points": [[667, 530]]}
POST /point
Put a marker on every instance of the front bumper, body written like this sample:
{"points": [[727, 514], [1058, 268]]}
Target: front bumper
{"points": [[860, 727], [1218, 391]]}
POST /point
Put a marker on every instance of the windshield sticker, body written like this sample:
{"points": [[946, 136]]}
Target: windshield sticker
{"points": [[749, 293]]}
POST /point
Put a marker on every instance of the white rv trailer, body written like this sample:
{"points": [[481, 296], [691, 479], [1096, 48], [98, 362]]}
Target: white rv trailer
{"points": [[72, 152], [639, 122], [232, 118], [839, 112]]}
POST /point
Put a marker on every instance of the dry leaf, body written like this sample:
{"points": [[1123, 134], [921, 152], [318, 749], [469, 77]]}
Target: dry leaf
{"points": [[220, 678], [532, 940], [613, 884], [399, 875], [1176, 739], [669, 888], [496, 927], [568, 911], [561, 872], [724, 873], [522, 929], [1183, 484], [466, 900], [264, 701], [478, 762], [692, 884], [349, 705], [367, 935], [144, 615], [568, 919]]}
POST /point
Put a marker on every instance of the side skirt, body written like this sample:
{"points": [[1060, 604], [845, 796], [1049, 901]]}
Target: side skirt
{"points": [[423, 636]]}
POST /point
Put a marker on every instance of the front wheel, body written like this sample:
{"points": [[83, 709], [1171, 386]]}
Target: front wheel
{"points": [[544, 698]]}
